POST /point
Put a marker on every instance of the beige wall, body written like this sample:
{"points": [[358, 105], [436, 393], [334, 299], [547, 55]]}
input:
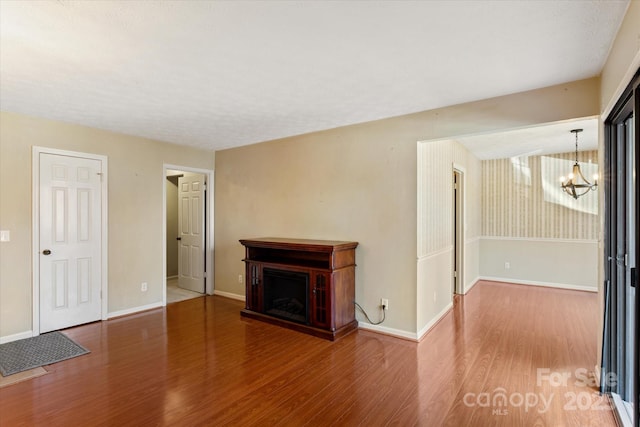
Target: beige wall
{"points": [[136, 178], [569, 264], [359, 183], [624, 57]]}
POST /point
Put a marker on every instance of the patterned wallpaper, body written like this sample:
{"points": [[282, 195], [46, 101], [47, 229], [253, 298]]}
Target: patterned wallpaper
{"points": [[522, 197], [435, 194]]}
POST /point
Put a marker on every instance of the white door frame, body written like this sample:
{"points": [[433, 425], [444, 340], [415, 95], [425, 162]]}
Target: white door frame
{"points": [[209, 223], [35, 227], [458, 246]]}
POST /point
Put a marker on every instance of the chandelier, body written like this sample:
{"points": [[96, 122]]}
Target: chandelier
{"points": [[576, 184]]}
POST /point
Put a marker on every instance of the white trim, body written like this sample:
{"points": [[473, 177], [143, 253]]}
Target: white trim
{"points": [[620, 410], [16, 337], [171, 277], [444, 138], [458, 282], [541, 284], [134, 310], [459, 167], [436, 253], [475, 282], [230, 295], [624, 82], [209, 250], [539, 239], [35, 227], [398, 333], [454, 137], [472, 240], [422, 332]]}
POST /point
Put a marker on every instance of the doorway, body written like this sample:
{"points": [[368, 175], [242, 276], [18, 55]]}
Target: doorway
{"points": [[458, 231], [188, 233], [69, 237]]}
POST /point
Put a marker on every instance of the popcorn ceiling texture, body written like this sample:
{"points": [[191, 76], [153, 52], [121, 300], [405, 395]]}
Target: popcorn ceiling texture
{"points": [[222, 74]]}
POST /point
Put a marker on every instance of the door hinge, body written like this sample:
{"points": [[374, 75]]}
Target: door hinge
{"points": [[455, 274], [205, 274]]}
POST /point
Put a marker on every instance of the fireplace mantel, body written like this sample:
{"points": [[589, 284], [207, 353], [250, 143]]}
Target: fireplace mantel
{"points": [[330, 286]]}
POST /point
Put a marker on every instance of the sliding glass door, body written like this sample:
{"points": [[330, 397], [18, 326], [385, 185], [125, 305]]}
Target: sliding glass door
{"points": [[620, 353]]}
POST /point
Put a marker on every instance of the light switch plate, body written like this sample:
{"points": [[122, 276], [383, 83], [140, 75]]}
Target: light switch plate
{"points": [[5, 236]]}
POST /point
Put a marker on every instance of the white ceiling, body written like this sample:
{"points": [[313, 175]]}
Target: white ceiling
{"points": [[534, 141], [222, 74]]}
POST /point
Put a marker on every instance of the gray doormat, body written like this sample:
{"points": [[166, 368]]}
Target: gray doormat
{"points": [[29, 353]]}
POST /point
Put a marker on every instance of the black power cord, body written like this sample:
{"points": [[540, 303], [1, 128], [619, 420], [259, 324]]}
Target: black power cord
{"points": [[384, 314]]}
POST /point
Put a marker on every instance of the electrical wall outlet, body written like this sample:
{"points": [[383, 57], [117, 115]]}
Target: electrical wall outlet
{"points": [[385, 303], [239, 278], [144, 287], [507, 265], [5, 236]]}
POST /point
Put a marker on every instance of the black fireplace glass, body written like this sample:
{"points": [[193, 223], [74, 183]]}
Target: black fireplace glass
{"points": [[286, 294]]}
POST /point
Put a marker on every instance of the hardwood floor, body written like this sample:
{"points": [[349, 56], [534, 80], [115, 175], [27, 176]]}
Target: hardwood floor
{"points": [[198, 363]]}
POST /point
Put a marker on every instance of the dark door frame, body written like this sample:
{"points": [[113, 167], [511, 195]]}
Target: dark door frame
{"points": [[618, 345]]}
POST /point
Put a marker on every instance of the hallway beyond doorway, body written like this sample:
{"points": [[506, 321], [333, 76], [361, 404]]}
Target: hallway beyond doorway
{"points": [[176, 293]]}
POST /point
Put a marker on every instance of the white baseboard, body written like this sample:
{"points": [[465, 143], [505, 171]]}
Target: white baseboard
{"points": [[133, 310], [422, 332], [172, 277], [398, 333], [230, 295], [476, 280], [543, 284], [16, 337]]}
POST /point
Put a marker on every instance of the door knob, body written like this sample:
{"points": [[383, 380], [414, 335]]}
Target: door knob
{"points": [[46, 252], [178, 238]]}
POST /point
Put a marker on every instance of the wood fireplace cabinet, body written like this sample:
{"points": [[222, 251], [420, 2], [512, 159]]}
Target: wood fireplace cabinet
{"points": [[329, 287]]}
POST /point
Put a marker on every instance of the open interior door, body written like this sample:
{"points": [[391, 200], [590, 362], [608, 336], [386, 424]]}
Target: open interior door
{"points": [[191, 232]]}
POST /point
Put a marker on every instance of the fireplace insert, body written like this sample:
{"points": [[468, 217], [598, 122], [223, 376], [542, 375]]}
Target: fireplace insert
{"points": [[286, 294]]}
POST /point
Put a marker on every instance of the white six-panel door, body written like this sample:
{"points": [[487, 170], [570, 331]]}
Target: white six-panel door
{"points": [[70, 241], [191, 231]]}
